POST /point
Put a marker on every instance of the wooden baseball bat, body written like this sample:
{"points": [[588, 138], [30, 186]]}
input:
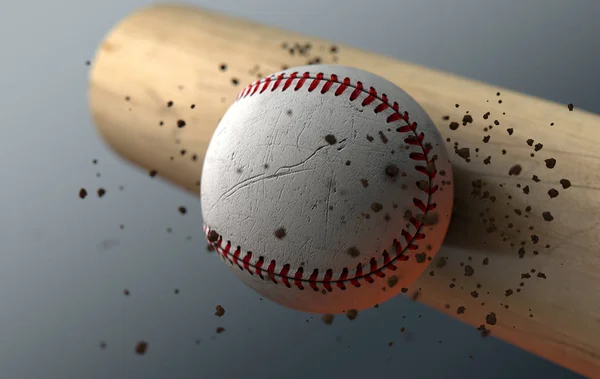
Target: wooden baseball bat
{"points": [[521, 259]]}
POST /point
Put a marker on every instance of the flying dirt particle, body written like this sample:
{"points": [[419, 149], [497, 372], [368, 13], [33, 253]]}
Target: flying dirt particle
{"points": [[101, 192], [441, 262], [213, 236], [460, 310], [453, 125], [541, 275], [550, 162], [486, 139], [486, 261], [508, 292], [469, 271], [421, 257], [467, 119], [353, 252], [176, 291], [515, 170], [474, 294], [429, 218], [510, 131], [351, 314], [235, 81], [280, 233], [538, 147], [220, 330], [530, 142], [82, 193], [457, 105], [222, 67], [487, 160], [141, 348], [392, 281], [126, 292], [392, 171], [491, 318], [152, 173], [464, 153], [193, 106], [182, 210], [565, 183], [383, 138], [180, 123], [347, 163], [445, 118], [486, 115], [219, 311], [535, 178], [330, 139], [547, 216], [535, 239], [423, 185], [570, 106], [552, 193], [103, 345], [376, 207]]}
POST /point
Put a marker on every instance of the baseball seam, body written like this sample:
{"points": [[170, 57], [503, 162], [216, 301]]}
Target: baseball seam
{"points": [[255, 266]]}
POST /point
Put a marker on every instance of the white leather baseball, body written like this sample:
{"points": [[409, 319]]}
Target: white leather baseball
{"points": [[326, 188]]}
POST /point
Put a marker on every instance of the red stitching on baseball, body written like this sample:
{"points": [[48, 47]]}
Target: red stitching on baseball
{"points": [[298, 278]]}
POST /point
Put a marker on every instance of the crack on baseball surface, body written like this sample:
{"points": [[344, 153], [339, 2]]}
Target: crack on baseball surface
{"points": [[255, 179]]}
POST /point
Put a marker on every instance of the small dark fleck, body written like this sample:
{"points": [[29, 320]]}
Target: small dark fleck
{"points": [[535, 178], [565, 183], [547, 216], [223, 67], [487, 160], [141, 348], [182, 210], [235, 81], [392, 171], [280, 233], [541, 275], [454, 125], [82, 193], [364, 182], [486, 139], [463, 153], [219, 311], [515, 170], [530, 142], [392, 281], [510, 131], [570, 106], [376, 207], [220, 330], [213, 236], [550, 162], [445, 118], [101, 192], [469, 271], [353, 252], [538, 147], [351, 314], [180, 123], [169, 104], [491, 318], [421, 257], [460, 310], [552, 193]]}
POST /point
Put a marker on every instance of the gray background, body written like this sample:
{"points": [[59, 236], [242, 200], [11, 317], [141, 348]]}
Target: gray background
{"points": [[64, 262]]}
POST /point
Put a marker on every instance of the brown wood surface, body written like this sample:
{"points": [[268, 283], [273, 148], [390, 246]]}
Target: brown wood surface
{"points": [[545, 299]]}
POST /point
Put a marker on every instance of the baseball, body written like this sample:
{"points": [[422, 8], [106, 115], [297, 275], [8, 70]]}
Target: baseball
{"points": [[326, 188]]}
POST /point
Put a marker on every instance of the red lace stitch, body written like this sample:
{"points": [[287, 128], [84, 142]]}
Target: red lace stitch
{"points": [[297, 278]]}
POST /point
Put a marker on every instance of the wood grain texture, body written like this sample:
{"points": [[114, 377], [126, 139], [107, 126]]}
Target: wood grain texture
{"points": [[502, 261]]}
